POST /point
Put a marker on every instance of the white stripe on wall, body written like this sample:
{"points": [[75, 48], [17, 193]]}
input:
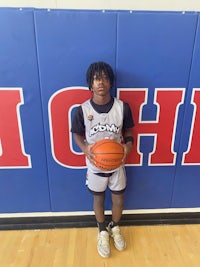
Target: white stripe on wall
{"points": [[84, 213]]}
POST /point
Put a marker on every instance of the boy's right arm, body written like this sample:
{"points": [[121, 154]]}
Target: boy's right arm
{"points": [[84, 146]]}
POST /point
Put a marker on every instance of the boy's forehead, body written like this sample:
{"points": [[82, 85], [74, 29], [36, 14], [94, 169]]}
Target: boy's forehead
{"points": [[99, 73]]}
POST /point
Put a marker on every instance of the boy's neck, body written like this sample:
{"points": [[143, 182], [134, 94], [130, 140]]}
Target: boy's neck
{"points": [[101, 100]]}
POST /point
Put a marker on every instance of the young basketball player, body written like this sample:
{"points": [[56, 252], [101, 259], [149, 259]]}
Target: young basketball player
{"points": [[104, 110]]}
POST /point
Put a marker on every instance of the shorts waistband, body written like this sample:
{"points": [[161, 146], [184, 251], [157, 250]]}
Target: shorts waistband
{"points": [[104, 174]]}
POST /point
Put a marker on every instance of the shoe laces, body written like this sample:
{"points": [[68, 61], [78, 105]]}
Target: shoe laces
{"points": [[116, 233]]}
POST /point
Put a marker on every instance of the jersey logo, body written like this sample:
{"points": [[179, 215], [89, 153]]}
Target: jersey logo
{"points": [[90, 117], [104, 128]]}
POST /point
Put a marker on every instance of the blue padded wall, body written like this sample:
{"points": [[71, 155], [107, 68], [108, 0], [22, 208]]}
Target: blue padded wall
{"points": [[44, 55]]}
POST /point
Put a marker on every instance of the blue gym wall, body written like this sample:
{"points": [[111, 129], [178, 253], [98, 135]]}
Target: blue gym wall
{"points": [[48, 51]]}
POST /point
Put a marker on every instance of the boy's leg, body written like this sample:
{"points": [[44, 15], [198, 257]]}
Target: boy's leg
{"points": [[117, 206], [97, 186], [98, 206], [113, 227], [103, 245]]}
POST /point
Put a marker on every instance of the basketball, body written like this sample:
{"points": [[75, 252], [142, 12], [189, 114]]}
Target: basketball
{"points": [[108, 154]]}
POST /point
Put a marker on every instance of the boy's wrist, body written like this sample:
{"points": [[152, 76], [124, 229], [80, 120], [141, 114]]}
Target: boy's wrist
{"points": [[128, 139]]}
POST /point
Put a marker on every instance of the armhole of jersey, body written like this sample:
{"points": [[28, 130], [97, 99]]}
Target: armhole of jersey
{"points": [[83, 106]]}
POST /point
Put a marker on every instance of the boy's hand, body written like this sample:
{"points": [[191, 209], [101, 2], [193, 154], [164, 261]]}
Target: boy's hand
{"points": [[127, 149], [89, 154]]}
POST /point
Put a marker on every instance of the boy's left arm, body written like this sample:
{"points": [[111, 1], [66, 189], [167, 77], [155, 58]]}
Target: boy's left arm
{"points": [[128, 142]]}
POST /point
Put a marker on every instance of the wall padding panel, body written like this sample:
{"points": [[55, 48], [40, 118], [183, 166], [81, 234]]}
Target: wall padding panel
{"points": [[23, 189]]}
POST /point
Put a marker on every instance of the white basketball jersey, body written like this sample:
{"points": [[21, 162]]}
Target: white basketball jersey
{"points": [[102, 125]]}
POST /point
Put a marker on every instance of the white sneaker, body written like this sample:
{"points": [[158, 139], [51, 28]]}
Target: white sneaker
{"points": [[103, 245], [119, 240]]}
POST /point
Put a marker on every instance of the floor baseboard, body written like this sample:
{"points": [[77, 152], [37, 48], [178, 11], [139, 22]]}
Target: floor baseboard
{"points": [[52, 222]]}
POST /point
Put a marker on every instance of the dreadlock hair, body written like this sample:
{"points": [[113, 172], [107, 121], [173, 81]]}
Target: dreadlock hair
{"points": [[97, 68]]}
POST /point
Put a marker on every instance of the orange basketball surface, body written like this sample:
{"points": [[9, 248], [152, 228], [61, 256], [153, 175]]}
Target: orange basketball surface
{"points": [[108, 154]]}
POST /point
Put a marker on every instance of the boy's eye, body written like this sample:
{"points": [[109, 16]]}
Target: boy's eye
{"points": [[105, 77]]}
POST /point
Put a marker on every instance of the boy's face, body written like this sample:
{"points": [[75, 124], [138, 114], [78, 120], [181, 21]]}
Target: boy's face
{"points": [[101, 84]]}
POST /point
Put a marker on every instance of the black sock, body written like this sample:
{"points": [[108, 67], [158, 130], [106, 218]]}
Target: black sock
{"points": [[113, 224], [102, 226]]}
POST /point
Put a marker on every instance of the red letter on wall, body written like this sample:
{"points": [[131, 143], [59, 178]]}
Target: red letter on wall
{"points": [[12, 153], [192, 155], [60, 108], [163, 128]]}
